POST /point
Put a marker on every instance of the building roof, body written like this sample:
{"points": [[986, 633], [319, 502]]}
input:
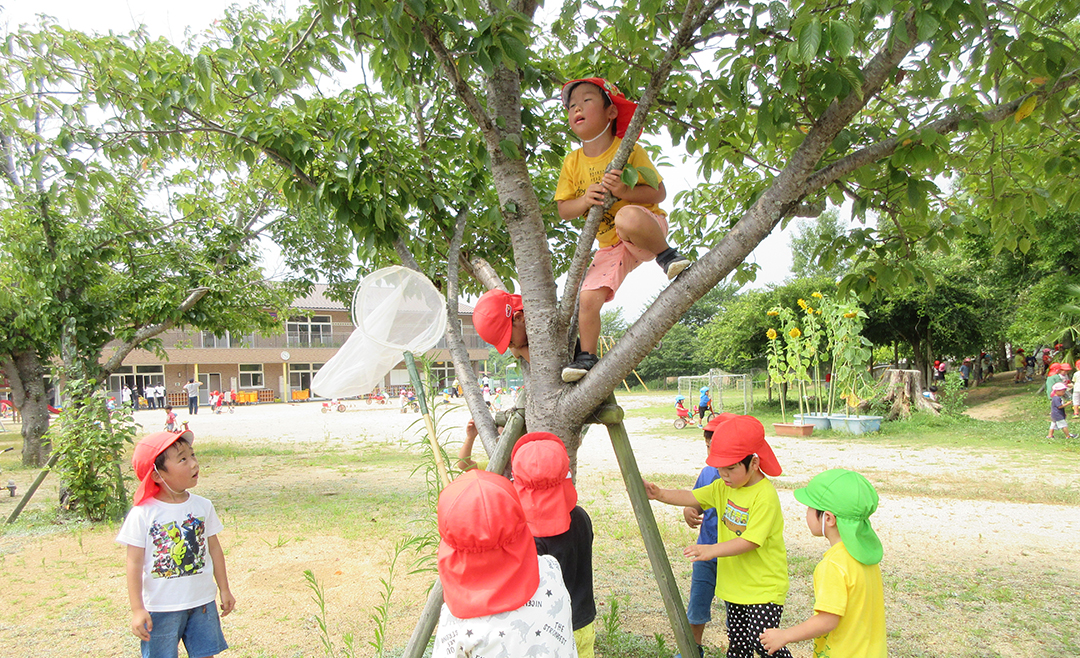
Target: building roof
{"points": [[318, 301]]}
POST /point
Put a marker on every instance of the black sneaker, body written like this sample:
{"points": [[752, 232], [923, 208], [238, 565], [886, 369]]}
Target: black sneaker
{"points": [[581, 364], [672, 262]]}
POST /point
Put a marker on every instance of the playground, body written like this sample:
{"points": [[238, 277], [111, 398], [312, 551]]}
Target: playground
{"points": [[979, 533]]}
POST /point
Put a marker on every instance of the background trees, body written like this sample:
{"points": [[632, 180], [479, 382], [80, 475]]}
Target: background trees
{"points": [[945, 118]]}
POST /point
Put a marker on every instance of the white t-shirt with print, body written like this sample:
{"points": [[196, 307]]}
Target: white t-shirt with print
{"points": [[541, 627], [178, 572]]}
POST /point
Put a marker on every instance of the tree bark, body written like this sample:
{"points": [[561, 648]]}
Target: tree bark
{"points": [[26, 372]]}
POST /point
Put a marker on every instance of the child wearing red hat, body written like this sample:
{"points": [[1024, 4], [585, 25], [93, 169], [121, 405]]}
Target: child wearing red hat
{"points": [[175, 565], [499, 597], [751, 569], [633, 230], [703, 574], [560, 527]]}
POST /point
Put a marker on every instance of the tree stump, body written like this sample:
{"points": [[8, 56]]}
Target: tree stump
{"points": [[903, 388]]}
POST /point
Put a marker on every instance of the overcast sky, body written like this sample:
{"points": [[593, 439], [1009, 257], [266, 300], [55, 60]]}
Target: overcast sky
{"points": [[170, 20]]}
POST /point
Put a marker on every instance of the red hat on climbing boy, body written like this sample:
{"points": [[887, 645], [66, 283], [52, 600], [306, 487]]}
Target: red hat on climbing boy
{"points": [[625, 106], [736, 438], [142, 460], [487, 556], [493, 317]]}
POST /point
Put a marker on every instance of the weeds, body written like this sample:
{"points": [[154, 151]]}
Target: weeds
{"points": [[381, 617], [348, 650]]}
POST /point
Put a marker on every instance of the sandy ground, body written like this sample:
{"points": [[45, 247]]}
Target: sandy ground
{"points": [[985, 524], [976, 535]]}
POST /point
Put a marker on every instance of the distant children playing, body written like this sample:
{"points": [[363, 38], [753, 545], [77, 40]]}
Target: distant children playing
{"points": [[849, 600], [560, 527], [175, 565], [500, 598], [633, 230], [1057, 410], [751, 572]]}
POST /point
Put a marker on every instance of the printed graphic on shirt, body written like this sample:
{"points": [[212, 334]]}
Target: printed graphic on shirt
{"points": [[179, 549], [735, 518]]}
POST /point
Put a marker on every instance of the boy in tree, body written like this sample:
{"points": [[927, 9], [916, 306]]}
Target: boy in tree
{"points": [[633, 230], [849, 599]]}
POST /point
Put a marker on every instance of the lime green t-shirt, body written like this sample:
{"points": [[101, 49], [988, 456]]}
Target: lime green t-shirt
{"points": [[752, 513], [843, 586]]}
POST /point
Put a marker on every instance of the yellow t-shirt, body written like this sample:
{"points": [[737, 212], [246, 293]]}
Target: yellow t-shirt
{"points": [[753, 513], [844, 586], [580, 171]]}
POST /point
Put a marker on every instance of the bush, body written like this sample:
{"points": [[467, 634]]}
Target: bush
{"points": [[952, 395], [90, 443]]}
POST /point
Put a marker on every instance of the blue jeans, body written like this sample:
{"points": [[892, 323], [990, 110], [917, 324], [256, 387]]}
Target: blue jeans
{"points": [[702, 592], [199, 628], [193, 404]]}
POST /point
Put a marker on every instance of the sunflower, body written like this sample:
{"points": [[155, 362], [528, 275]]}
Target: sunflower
{"points": [[794, 333], [850, 315], [816, 295], [802, 303], [771, 333]]}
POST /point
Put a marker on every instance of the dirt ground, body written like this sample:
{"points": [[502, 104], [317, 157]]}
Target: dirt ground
{"points": [[69, 587]]}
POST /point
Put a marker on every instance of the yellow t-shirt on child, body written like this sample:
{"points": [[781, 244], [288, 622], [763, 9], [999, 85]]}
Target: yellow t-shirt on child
{"points": [[846, 587], [580, 171], [752, 513]]}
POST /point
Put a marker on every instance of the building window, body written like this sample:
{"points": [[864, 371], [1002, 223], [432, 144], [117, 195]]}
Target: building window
{"points": [[310, 331], [251, 375], [210, 341]]}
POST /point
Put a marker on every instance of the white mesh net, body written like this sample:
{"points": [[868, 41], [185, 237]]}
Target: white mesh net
{"points": [[395, 310]]}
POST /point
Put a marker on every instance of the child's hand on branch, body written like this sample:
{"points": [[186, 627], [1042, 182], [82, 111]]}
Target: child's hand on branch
{"points": [[613, 182], [594, 194]]}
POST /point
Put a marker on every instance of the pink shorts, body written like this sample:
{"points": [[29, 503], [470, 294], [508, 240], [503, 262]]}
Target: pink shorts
{"points": [[611, 265]]}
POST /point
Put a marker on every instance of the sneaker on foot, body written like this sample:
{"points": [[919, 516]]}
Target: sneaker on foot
{"points": [[581, 364], [672, 262]]}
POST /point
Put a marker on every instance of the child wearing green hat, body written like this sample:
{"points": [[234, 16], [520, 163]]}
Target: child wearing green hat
{"points": [[849, 600]]}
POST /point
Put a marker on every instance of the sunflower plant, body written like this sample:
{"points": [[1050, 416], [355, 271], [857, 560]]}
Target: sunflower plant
{"points": [[849, 350], [777, 363]]}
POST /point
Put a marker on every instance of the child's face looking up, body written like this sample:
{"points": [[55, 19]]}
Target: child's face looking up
{"points": [[586, 112]]}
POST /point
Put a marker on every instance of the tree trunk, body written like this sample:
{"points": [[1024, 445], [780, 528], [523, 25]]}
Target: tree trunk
{"points": [[903, 388], [26, 373]]}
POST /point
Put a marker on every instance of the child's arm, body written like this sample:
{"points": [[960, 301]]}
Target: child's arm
{"points": [[571, 208], [228, 601], [640, 193], [465, 461], [141, 623], [822, 623], [705, 552], [680, 497]]}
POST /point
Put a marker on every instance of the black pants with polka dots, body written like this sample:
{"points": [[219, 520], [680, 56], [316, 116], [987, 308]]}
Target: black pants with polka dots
{"points": [[746, 623]]}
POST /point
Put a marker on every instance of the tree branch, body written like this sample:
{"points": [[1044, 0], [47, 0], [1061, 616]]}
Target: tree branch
{"points": [[474, 397], [950, 123]]}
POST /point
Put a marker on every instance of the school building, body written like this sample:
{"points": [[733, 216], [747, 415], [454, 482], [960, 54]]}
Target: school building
{"points": [[276, 367]]}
